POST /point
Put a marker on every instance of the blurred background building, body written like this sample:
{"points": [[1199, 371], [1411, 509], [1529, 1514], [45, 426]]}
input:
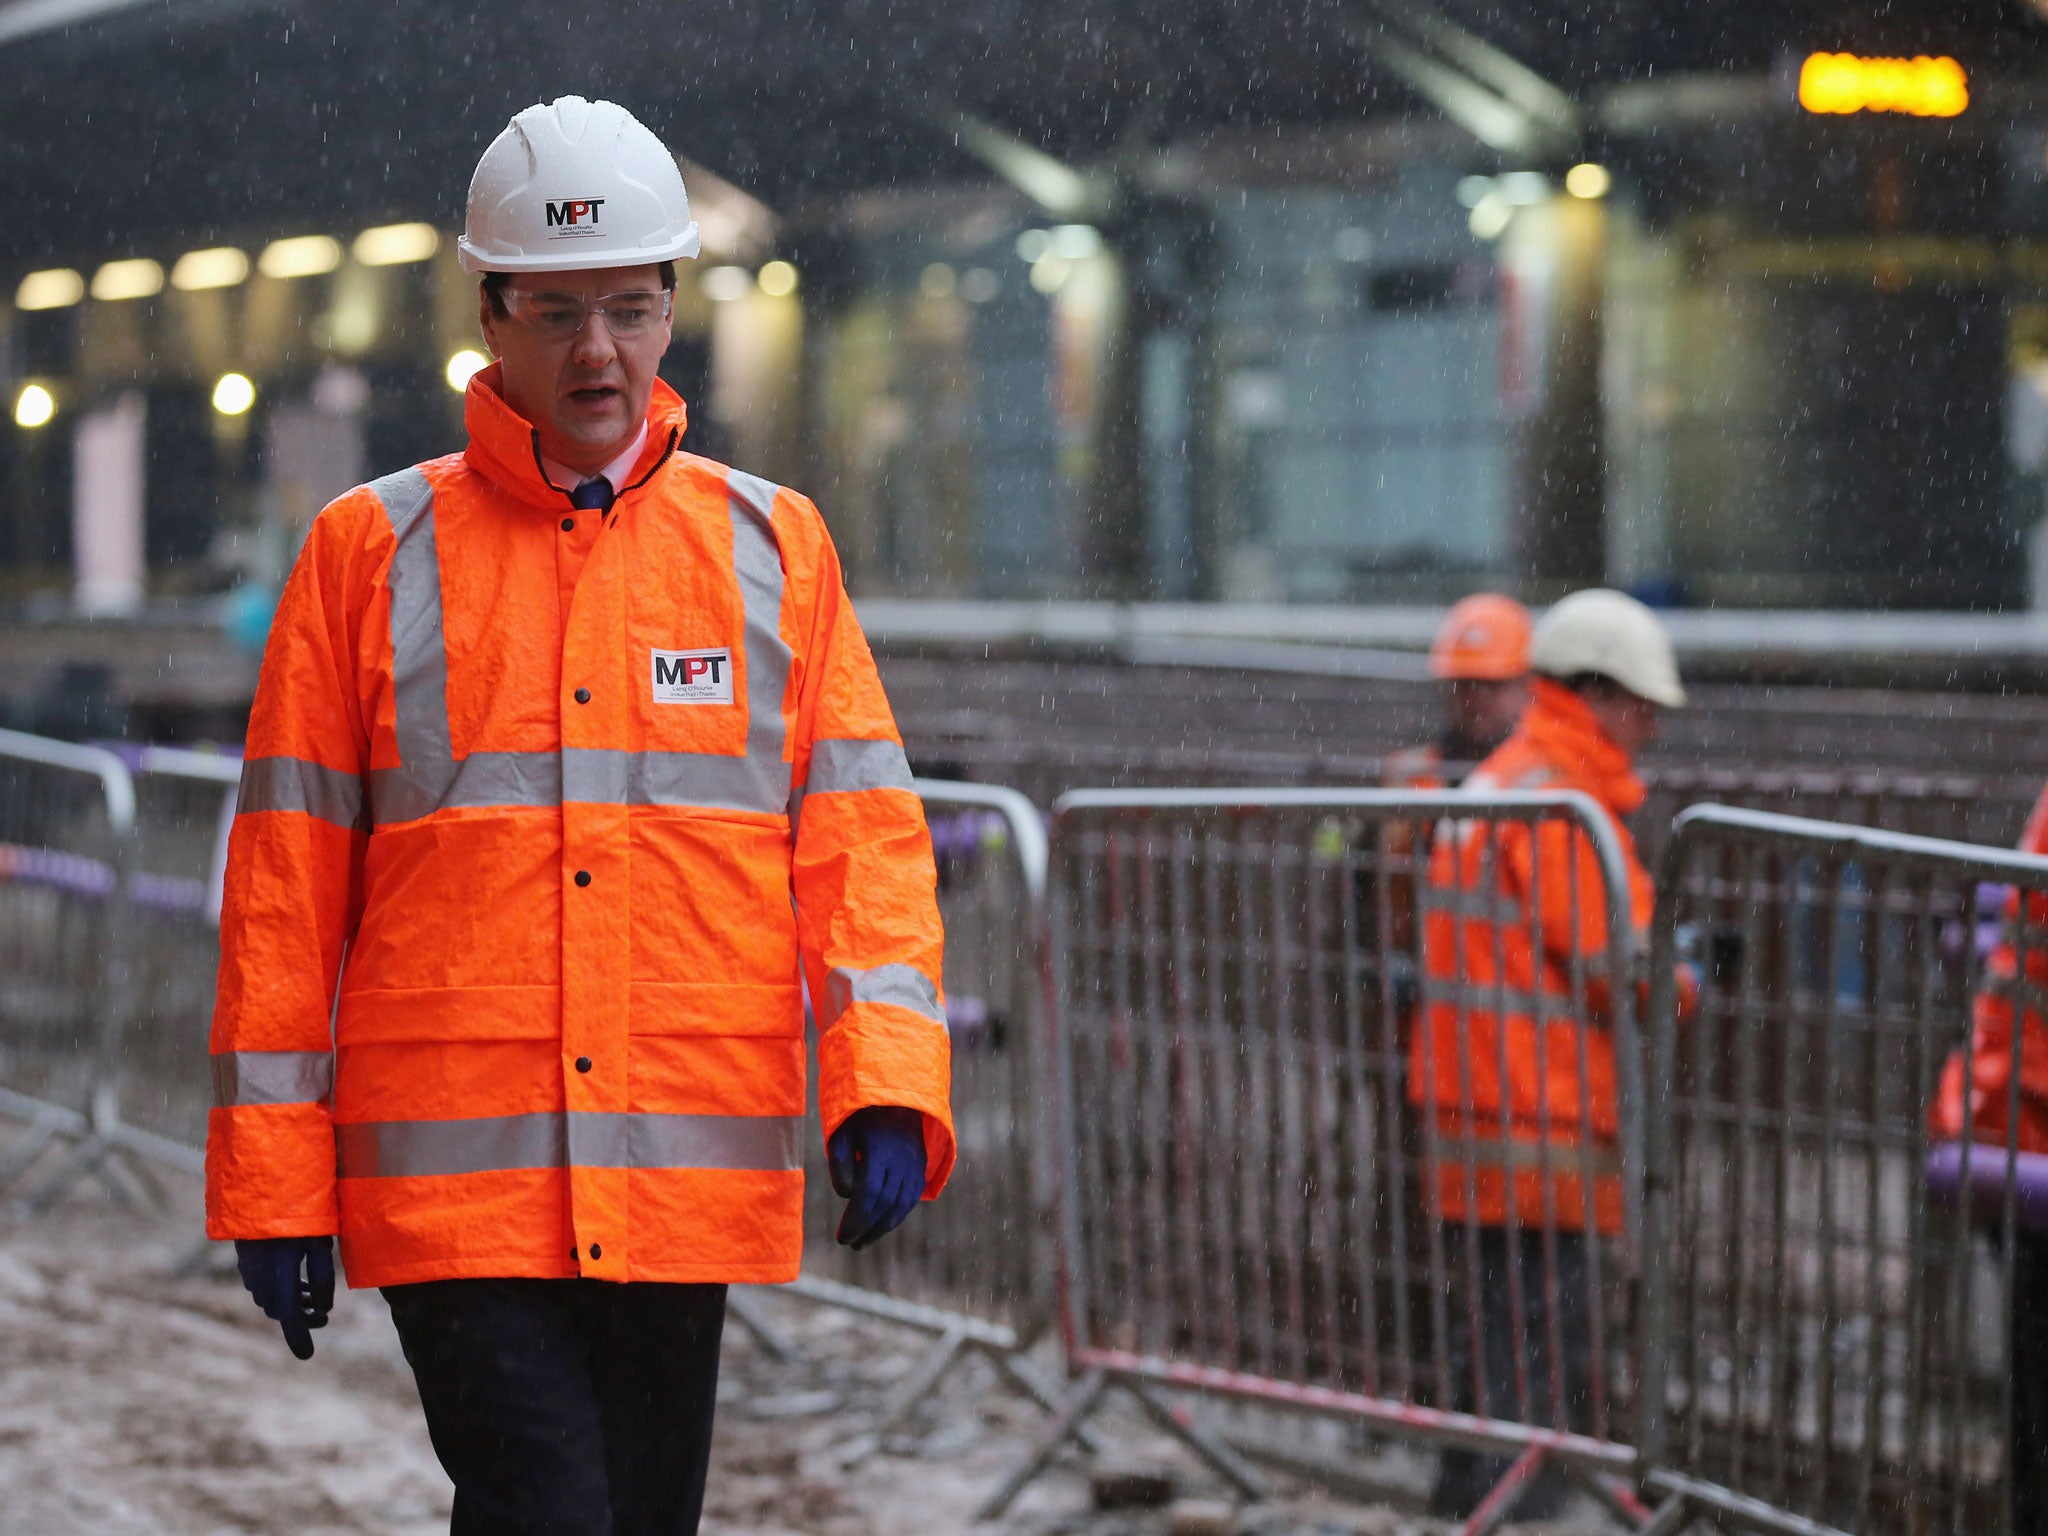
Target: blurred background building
{"points": [[1334, 303]]}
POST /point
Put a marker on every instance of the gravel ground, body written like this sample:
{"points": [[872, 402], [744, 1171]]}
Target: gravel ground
{"points": [[141, 1404]]}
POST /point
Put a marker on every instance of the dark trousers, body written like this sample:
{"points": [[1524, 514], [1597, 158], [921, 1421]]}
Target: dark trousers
{"points": [[2029, 1366], [566, 1407], [1465, 1477]]}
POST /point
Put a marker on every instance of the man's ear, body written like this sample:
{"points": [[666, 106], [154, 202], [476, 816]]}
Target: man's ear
{"points": [[486, 319]]}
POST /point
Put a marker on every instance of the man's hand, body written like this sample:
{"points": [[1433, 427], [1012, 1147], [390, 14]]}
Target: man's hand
{"points": [[877, 1162], [271, 1268]]}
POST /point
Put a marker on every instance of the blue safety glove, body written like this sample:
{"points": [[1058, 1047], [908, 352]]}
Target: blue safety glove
{"points": [[877, 1162], [271, 1269]]}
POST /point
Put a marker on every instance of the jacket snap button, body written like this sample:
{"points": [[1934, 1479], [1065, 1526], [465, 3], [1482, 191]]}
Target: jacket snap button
{"points": [[582, 695], [568, 525], [596, 1251], [583, 877], [582, 1063]]}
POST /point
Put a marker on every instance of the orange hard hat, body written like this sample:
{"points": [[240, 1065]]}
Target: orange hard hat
{"points": [[1486, 636]]}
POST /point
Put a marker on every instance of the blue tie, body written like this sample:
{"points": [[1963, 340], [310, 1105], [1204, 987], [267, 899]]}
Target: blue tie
{"points": [[593, 495]]}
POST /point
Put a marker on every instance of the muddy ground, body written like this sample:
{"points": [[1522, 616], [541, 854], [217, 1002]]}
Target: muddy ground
{"points": [[135, 1402]]}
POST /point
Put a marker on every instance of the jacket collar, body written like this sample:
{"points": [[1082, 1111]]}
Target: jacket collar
{"points": [[505, 449], [1560, 728]]}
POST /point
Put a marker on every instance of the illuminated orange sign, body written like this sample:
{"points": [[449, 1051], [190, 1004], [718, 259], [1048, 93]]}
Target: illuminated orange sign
{"points": [[1844, 82]]}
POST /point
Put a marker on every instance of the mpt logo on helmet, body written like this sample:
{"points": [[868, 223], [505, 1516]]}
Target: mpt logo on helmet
{"points": [[567, 217]]}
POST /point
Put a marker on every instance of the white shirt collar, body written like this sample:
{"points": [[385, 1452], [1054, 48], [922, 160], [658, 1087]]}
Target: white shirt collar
{"points": [[563, 478]]}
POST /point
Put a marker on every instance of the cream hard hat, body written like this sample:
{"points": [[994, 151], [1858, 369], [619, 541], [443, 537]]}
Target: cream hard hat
{"points": [[1611, 635], [575, 184]]}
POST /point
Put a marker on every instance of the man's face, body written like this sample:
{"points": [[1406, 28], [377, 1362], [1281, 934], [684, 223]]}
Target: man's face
{"points": [[1483, 711], [1638, 724], [585, 393], [1626, 719]]}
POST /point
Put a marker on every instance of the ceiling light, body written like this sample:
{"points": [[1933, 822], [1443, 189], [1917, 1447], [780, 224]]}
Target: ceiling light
{"points": [[1587, 180], [222, 266], [34, 406], [389, 244], [300, 256], [50, 289], [234, 394], [136, 278]]}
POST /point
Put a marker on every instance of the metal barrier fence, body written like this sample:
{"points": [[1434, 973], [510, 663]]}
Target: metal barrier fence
{"points": [[66, 817], [1831, 1341], [109, 917], [1251, 1203], [970, 1268]]}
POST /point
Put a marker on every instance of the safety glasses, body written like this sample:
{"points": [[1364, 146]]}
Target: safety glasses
{"points": [[560, 316]]}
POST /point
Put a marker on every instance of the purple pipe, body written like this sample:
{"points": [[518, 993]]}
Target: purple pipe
{"points": [[1988, 1184], [79, 876]]}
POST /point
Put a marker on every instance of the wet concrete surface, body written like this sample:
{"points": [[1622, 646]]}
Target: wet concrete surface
{"points": [[136, 1402]]}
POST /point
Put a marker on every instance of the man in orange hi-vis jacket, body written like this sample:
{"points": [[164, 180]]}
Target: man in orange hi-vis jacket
{"points": [[569, 772], [1524, 1110]]}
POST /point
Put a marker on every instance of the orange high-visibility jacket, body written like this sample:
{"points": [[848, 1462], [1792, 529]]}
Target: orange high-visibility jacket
{"points": [[564, 802], [1990, 1058], [1514, 905]]}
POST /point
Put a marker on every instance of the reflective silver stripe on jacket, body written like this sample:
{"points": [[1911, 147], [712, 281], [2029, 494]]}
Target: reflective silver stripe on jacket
{"points": [[842, 766], [425, 776], [1461, 902], [429, 778], [757, 560], [403, 1149], [295, 784], [242, 1078], [903, 986]]}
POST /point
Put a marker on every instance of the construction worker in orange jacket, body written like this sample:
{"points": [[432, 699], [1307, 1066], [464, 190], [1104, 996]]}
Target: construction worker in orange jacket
{"points": [[1481, 658], [1523, 1112], [1974, 1101], [569, 775]]}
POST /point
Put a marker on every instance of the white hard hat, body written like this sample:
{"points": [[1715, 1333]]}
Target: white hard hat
{"points": [[1612, 635], [575, 184]]}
